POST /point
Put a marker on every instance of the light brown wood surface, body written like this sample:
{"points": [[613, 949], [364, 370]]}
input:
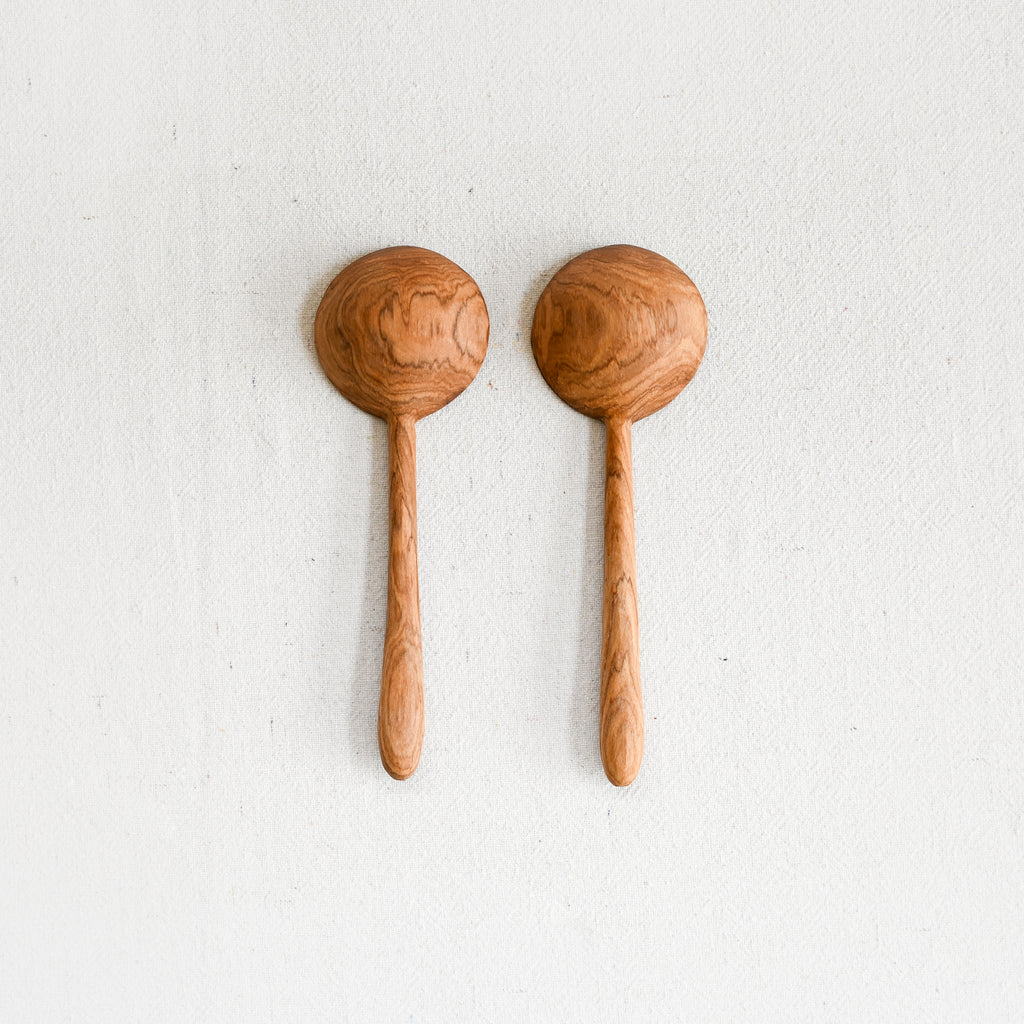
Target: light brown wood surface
{"points": [[401, 332], [618, 333]]}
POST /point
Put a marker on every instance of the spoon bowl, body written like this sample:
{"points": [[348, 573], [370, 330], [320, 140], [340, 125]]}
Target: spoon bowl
{"points": [[400, 333], [619, 332]]}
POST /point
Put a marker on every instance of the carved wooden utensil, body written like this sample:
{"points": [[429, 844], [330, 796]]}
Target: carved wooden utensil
{"points": [[618, 333], [400, 333]]}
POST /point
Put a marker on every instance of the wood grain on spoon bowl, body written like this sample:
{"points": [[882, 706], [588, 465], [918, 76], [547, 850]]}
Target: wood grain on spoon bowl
{"points": [[618, 333], [400, 333]]}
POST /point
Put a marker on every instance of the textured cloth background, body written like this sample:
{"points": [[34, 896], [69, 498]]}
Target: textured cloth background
{"points": [[829, 822]]}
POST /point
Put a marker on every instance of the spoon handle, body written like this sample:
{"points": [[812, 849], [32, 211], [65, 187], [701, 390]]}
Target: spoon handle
{"points": [[400, 719], [622, 712]]}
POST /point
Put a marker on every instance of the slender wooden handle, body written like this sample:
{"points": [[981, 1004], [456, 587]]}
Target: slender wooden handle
{"points": [[622, 712], [400, 719]]}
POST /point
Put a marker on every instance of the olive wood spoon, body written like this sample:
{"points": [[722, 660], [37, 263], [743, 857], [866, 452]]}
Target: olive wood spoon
{"points": [[400, 333], [618, 333]]}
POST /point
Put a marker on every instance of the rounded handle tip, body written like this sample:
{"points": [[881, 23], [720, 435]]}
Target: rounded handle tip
{"points": [[400, 759], [400, 771], [623, 780], [400, 725], [622, 746]]}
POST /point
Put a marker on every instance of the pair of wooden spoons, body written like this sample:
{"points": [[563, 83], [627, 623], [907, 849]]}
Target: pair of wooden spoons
{"points": [[617, 333]]}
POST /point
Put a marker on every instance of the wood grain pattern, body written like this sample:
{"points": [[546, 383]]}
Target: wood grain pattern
{"points": [[622, 710], [400, 717], [401, 332], [618, 333]]}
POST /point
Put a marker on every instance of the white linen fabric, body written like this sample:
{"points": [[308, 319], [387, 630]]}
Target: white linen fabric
{"points": [[828, 824]]}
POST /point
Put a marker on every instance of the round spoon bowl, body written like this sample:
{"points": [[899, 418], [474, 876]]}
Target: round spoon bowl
{"points": [[401, 332], [619, 332]]}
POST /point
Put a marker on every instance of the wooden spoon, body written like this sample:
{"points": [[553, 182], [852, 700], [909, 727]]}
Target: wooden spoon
{"points": [[400, 333], [618, 333]]}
